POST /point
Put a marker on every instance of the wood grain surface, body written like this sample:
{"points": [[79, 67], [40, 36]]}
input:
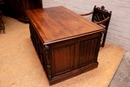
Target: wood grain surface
{"points": [[58, 23]]}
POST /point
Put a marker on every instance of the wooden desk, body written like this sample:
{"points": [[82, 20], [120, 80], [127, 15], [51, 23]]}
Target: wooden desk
{"points": [[66, 43]]}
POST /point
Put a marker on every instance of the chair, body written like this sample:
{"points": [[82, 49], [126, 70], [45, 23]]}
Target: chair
{"points": [[2, 27], [101, 17]]}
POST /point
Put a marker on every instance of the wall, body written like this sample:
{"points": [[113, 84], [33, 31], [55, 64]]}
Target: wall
{"points": [[119, 28]]}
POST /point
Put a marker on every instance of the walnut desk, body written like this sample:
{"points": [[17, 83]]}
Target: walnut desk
{"points": [[66, 43]]}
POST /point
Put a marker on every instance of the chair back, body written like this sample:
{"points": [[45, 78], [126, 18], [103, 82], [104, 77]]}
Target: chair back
{"points": [[100, 14]]}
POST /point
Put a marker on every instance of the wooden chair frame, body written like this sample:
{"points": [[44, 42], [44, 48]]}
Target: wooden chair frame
{"points": [[101, 17]]}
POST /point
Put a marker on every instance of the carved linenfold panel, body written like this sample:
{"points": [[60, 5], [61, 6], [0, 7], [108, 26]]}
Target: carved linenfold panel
{"points": [[63, 59], [87, 51]]}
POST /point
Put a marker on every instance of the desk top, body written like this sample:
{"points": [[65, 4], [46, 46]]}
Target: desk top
{"points": [[58, 23]]}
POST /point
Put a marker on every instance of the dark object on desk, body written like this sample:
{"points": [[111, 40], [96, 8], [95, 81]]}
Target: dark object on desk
{"points": [[101, 17], [67, 44], [2, 27], [17, 8]]}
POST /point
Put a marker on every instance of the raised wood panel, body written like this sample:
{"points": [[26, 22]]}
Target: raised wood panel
{"points": [[63, 59], [87, 53]]}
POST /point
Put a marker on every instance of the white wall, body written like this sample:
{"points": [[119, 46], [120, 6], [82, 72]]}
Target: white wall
{"points": [[119, 28]]}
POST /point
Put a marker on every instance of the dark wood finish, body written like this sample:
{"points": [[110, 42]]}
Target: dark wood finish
{"points": [[2, 5], [16, 8], [101, 17], [2, 27], [66, 43]]}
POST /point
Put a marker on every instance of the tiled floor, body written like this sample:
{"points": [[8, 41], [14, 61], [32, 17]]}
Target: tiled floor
{"points": [[20, 66]]}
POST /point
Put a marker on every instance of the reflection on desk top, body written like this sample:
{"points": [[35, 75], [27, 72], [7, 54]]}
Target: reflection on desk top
{"points": [[58, 23]]}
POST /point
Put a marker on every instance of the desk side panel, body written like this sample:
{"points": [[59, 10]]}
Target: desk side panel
{"points": [[73, 57]]}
